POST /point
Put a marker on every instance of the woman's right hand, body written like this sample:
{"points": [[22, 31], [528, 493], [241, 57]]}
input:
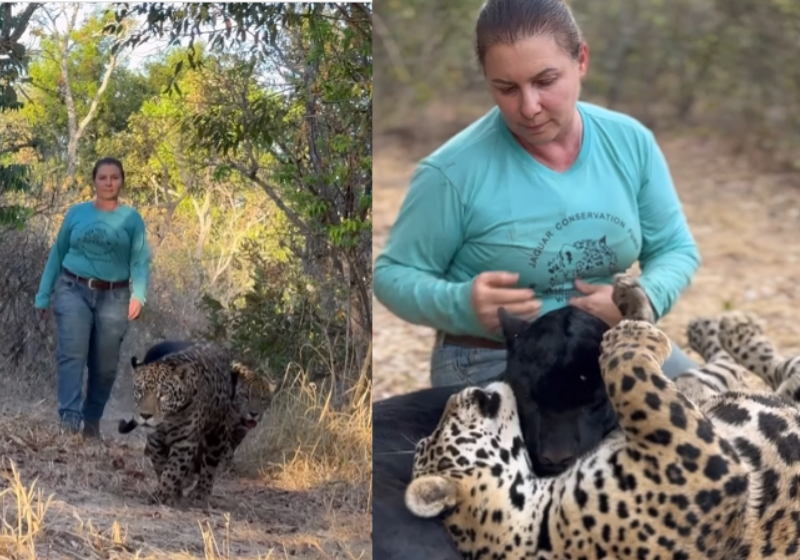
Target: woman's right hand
{"points": [[493, 290], [41, 314]]}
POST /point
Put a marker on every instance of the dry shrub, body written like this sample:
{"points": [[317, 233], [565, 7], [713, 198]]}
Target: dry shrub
{"points": [[307, 442], [27, 346]]}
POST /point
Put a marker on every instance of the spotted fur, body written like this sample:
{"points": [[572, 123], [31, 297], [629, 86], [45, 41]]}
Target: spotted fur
{"points": [[718, 478], [254, 396], [720, 373], [742, 336], [184, 399]]}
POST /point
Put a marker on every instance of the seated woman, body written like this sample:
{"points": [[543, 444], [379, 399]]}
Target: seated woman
{"points": [[534, 206]]}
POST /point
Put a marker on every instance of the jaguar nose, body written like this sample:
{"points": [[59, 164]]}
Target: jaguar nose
{"points": [[557, 457], [145, 416]]}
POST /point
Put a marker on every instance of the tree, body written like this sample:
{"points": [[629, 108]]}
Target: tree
{"points": [[298, 124], [13, 67], [75, 73]]}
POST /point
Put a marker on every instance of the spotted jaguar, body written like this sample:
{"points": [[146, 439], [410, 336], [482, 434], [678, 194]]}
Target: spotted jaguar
{"points": [[184, 400], [252, 395], [712, 478]]}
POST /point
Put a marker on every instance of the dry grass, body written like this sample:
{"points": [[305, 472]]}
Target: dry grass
{"points": [[21, 521], [299, 488], [323, 444]]}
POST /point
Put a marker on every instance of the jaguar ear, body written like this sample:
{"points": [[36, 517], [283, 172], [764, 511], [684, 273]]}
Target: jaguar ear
{"points": [[488, 402], [134, 362], [512, 325], [431, 495], [183, 371]]}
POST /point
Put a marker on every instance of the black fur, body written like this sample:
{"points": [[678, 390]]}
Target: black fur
{"points": [[553, 368], [158, 351], [563, 415], [398, 423], [126, 427]]}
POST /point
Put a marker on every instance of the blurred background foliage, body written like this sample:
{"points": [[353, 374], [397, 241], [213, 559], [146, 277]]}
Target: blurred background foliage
{"points": [[728, 66]]}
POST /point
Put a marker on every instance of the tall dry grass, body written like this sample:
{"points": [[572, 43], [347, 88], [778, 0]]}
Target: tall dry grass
{"points": [[308, 442], [22, 512]]}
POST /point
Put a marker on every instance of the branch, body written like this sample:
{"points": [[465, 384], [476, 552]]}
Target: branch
{"points": [[293, 216], [22, 22], [64, 52], [352, 21], [18, 147], [112, 64]]}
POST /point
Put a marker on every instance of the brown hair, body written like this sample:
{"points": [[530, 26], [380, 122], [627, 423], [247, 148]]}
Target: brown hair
{"points": [[508, 21], [108, 161]]}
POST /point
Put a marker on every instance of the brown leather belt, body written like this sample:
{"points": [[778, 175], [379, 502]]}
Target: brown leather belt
{"points": [[468, 341], [95, 284]]}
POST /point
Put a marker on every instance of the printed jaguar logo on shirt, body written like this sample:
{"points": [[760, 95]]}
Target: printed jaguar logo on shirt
{"points": [[576, 259], [579, 257], [99, 240]]}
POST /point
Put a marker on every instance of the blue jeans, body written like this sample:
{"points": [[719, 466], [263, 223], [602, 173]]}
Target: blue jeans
{"points": [[91, 325], [457, 365]]}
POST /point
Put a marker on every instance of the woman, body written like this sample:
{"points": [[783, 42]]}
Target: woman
{"points": [[98, 270], [534, 206]]}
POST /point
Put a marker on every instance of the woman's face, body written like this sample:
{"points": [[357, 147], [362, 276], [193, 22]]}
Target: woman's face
{"points": [[536, 85], [108, 182]]}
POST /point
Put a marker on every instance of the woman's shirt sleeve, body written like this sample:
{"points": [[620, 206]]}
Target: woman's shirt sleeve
{"points": [[408, 277], [669, 257]]}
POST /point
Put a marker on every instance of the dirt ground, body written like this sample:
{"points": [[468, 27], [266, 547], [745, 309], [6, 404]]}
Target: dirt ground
{"points": [[88, 500], [746, 224]]}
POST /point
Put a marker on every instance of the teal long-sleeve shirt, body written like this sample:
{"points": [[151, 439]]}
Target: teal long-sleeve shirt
{"points": [[481, 202], [107, 245]]}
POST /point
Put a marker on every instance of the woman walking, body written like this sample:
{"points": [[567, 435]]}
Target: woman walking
{"points": [[98, 270]]}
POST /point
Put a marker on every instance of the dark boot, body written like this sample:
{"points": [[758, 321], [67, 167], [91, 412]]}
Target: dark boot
{"points": [[69, 428], [91, 429], [70, 423]]}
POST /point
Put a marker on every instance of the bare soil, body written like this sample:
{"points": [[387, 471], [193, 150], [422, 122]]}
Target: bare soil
{"points": [[745, 221], [100, 503]]}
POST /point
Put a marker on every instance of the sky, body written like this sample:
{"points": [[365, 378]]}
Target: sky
{"points": [[136, 58]]}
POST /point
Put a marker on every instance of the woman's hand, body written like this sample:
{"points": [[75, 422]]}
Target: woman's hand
{"points": [[597, 301], [134, 308], [493, 290]]}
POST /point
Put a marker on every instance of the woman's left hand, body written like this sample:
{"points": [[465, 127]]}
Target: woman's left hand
{"points": [[597, 301], [134, 308]]}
